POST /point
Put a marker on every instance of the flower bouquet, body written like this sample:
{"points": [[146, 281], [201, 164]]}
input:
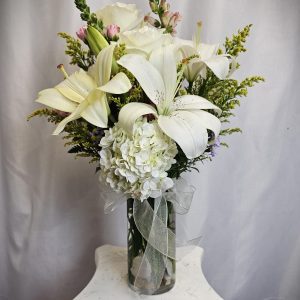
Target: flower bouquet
{"points": [[145, 106]]}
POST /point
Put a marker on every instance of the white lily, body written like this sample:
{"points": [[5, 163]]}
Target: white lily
{"points": [[208, 57], [85, 96], [182, 118]]}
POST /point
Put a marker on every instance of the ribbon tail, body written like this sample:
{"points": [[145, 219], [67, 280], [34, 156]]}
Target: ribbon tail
{"points": [[156, 254]]}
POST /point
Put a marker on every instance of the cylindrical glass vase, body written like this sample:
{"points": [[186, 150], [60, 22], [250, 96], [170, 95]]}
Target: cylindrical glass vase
{"points": [[137, 261]]}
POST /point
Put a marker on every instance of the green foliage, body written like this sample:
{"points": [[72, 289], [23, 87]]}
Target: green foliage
{"points": [[84, 139], [136, 94], [120, 50], [225, 94], [87, 16], [51, 115], [185, 165], [81, 136], [80, 57], [236, 44]]}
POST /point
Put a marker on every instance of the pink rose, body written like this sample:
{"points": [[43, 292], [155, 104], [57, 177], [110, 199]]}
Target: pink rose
{"points": [[81, 33], [112, 31]]}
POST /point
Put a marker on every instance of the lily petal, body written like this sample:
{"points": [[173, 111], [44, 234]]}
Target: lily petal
{"points": [[193, 69], [73, 116], [93, 109], [219, 65], [163, 59], [186, 130], [54, 99], [193, 102], [132, 111], [96, 110], [208, 121], [119, 84], [207, 50], [77, 86], [146, 74], [103, 65]]}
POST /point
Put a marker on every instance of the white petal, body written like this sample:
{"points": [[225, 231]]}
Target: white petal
{"points": [[103, 65], [119, 84], [77, 86], [191, 102], [208, 121], [131, 111], [53, 98], [73, 116], [195, 65], [93, 109], [146, 74], [96, 110], [127, 16], [186, 130], [233, 65], [219, 65], [145, 39], [206, 50], [182, 43], [163, 59], [193, 69]]}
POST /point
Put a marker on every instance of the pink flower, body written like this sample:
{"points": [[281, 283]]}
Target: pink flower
{"points": [[175, 19], [170, 21], [112, 31], [81, 33]]}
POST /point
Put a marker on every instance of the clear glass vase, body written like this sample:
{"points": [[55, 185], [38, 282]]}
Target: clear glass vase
{"points": [[137, 244]]}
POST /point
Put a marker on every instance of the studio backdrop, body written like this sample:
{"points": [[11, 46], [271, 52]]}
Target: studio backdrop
{"points": [[247, 204]]}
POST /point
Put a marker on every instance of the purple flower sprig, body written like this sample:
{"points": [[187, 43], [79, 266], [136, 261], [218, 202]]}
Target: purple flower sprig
{"points": [[213, 147]]}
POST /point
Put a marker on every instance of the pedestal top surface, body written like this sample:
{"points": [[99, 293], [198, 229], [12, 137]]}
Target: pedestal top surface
{"points": [[110, 279]]}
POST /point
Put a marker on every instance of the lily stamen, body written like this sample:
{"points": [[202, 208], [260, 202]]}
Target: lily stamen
{"points": [[63, 70]]}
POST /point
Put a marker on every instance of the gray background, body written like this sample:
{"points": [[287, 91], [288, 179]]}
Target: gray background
{"points": [[247, 202]]}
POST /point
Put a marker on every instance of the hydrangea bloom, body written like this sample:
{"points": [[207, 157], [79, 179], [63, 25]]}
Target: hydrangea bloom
{"points": [[137, 165]]}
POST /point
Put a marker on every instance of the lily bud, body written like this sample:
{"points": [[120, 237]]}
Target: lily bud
{"points": [[112, 31], [81, 33], [95, 40]]}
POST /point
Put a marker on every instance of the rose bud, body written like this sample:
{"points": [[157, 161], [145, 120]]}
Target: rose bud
{"points": [[112, 31], [81, 33]]}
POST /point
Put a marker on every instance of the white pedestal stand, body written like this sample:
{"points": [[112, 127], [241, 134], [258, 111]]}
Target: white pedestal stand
{"points": [[110, 279]]}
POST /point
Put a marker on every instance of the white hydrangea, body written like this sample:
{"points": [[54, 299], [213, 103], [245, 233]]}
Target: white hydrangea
{"points": [[137, 165]]}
